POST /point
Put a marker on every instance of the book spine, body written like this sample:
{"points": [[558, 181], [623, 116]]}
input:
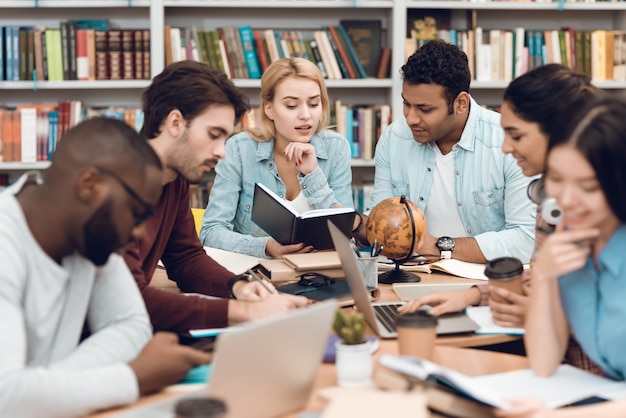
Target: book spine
{"points": [[53, 132], [335, 51], [352, 52], [247, 44], [128, 54], [342, 54], [115, 54], [28, 134], [101, 48], [145, 37]]}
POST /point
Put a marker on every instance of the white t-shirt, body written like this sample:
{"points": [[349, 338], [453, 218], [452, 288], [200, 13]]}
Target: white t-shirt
{"points": [[441, 213]]}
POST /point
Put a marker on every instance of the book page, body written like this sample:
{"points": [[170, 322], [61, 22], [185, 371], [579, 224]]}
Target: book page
{"points": [[460, 268], [482, 316], [235, 262], [567, 385], [279, 199], [325, 212]]}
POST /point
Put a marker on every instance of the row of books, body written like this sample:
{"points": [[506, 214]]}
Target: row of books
{"points": [[362, 195], [362, 125], [30, 132], [350, 50], [76, 50], [502, 55]]}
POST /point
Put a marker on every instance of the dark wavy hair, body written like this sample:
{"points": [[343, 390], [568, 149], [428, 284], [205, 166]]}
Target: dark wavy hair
{"points": [[596, 129], [438, 62], [191, 87], [542, 95]]}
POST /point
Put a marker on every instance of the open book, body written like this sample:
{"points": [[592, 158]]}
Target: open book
{"points": [[280, 220], [566, 386], [450, 266]]}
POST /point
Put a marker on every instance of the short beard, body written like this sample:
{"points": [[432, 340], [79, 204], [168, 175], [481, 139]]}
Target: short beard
{"points": [[100, 235]]}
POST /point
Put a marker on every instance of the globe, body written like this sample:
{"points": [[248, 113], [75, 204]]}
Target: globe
{"points": [[399, 226]]}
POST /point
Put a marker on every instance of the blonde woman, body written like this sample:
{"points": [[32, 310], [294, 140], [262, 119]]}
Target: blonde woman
{"points": [[292, 152]]}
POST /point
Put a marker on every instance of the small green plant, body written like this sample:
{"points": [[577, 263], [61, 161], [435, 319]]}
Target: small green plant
{"points": [[350, 328]]}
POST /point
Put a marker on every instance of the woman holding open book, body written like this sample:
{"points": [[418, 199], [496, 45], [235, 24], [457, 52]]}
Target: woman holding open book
{"points": [[579, 276], [291, 152]]}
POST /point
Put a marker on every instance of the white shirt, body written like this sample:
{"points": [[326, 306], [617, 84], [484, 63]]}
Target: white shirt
{"points": [[441, 211], [44, 371]]}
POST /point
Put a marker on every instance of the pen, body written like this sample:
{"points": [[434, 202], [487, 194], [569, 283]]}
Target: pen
{"points": [[374, 249], [260, 280], [378, 250]]}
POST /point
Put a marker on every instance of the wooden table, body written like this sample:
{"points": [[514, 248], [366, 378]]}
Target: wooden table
{"points": [[472, 362], [161, 281], [448, 351]]}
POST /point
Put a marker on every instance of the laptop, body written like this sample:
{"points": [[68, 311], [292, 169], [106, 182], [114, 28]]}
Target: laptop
{"points": [[417, 290], [263, 368], [381, 316]]}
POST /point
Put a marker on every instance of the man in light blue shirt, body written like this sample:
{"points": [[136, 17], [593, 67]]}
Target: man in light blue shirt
{"points": [[446, 156]]}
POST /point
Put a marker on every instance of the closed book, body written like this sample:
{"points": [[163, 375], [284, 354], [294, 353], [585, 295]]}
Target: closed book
{"points": [[384, 64], [320, 260], [338, 57], [354, 58], [367, 42], [82, 60], [278, 219], [261, 50], [278, 271], [342, 52]]}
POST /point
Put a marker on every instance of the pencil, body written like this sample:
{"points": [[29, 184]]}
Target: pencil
{"points": [[260, 280]]}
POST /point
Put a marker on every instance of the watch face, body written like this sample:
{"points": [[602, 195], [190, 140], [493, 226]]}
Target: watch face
{"points": [[445, 244]]}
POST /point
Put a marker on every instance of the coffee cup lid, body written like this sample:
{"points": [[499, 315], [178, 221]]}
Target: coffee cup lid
{"points": [[200, 408], [417, 319], [503, 267]]}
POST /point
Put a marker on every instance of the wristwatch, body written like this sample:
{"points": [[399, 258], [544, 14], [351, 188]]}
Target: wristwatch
{"points": [[231, 283], [445, 245]]}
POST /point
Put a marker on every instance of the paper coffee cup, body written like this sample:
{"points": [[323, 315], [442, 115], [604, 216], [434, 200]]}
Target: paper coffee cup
{"points": [[505, 272], [416, 334]]}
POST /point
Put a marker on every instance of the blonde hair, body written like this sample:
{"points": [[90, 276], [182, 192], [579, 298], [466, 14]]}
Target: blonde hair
{"points": [[272, 77]]}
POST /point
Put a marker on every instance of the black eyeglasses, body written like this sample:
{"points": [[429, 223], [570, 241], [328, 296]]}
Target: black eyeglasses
{"points": [[148, 209], [313, 281]]}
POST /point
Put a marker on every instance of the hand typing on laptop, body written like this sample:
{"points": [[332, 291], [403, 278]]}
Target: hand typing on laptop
{"points": [[444, 302]]}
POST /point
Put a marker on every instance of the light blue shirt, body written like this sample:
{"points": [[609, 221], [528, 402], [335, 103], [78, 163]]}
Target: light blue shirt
{"points": [[593, 301], [227, 220], [489, 186]]}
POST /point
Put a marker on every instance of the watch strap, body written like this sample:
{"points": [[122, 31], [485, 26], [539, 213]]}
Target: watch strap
{"points": [[231, 283]]}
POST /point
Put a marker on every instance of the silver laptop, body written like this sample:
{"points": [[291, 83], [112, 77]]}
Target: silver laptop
{"points": [[381, 316], [263, 368], [417, 290]]}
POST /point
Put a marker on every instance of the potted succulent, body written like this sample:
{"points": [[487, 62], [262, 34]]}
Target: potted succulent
{"points": [[353, 361]]}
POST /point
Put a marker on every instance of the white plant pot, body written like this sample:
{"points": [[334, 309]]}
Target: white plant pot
{"points": [[353, 364]]}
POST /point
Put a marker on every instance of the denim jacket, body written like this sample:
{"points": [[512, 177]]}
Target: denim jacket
{"points": [[490, 188], [226, 223]]}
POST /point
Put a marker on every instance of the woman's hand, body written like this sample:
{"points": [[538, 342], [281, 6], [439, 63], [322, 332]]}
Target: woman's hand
{"points": [[444, 302], [275, 249], [303, 155]]}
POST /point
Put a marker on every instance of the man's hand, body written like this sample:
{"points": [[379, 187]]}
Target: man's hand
{"points": [[163, 361], [275, 249], [444, 302], [509, 314], [253, 290], [241, 311]]}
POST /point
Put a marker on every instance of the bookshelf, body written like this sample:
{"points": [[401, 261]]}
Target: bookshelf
{"points": [[287, 14]]}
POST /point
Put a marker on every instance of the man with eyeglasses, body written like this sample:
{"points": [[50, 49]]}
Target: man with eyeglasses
{"points": [[58, 232], [190, 109]]}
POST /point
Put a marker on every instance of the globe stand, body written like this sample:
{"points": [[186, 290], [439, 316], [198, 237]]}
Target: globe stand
{"points": [[398, 275]]}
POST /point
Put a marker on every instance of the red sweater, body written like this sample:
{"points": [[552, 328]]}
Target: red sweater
{"points": [[170, 235]]}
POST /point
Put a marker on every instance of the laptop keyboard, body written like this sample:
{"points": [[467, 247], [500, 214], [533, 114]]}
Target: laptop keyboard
{"points": [[387, 314]]}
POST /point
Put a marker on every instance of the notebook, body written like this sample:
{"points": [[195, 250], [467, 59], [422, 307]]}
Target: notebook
{"points": [[381, 316], [263, 368]]}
